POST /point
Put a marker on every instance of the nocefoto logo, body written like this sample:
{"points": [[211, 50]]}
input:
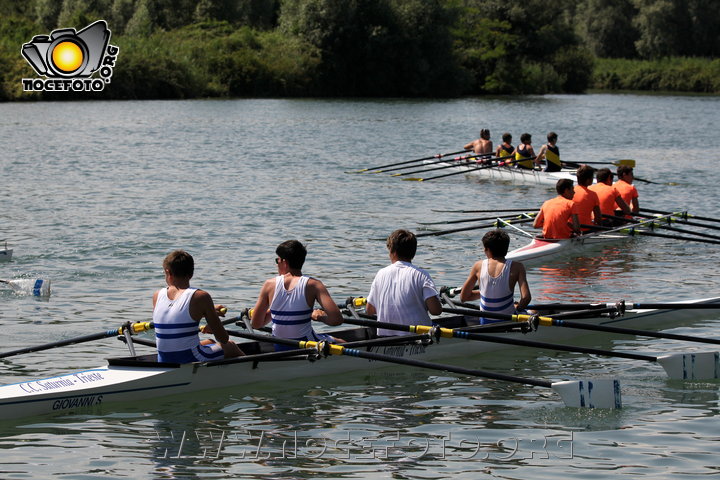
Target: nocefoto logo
{"points": [[68, 59]]}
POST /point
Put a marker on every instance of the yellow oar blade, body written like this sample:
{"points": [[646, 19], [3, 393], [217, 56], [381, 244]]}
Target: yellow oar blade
{"points": [[626, 162]]}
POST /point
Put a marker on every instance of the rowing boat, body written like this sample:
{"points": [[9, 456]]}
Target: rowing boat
{"points": [[129, 379], [509, 173], [539, 249]]}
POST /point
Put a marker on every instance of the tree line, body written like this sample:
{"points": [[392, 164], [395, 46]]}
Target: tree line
{"points": [[438, 48]]}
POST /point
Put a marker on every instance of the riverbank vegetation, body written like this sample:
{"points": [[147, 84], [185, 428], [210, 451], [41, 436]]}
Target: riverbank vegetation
{"points": [[439, 48]]}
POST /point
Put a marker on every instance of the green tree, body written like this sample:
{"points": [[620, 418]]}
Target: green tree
{"points": [[607, 27], [663, 26], [121, 12], [520, 46], [376, 47], [78, 13], [705, 19], [142, 22]]}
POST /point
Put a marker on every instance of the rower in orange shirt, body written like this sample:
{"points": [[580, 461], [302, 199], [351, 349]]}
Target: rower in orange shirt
{"points": [[627, 190], [586, 201], [610, 198], [557, 216]]}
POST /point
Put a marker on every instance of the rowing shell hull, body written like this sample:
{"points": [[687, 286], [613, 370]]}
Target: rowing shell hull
{"points": [[512, 174], [539, 248], [135, 378]]}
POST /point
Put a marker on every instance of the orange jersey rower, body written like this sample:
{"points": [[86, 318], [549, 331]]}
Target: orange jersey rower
{"points": [[557, 216], [586, 201], [610, 198], [627, 190]]}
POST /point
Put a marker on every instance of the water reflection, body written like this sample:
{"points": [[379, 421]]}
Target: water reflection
{"points": [[606, 274]]}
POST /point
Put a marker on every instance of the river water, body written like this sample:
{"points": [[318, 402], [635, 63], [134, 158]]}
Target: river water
{"points": [[94, 194]]}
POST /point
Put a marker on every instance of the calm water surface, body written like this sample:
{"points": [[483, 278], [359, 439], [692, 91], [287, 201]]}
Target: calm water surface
{"points": [[94, 195]]}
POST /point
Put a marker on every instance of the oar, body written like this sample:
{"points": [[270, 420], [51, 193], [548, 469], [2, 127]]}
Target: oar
{"points": [[667, 226], [476, 219], [682, 218], [38, 287], [632, 231], [702, 365], [604, 230], [435, 162], [592, 393], [439, 155], [475, 227], [133, 328], [500, 210], [680, 214], [628, 306], [449, 164], [556, 322], [482, 167], [625, 161]]}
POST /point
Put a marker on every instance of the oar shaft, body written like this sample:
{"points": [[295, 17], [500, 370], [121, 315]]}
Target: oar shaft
{"points": [[497, 210], [480, 219], [474, 227], [633, 232], [448, 162], [632, 331], [566, 306], [681, 214], [666, 225], [61, 343], [549, 321], [474, 169], [447, 368], [134, 328], [682, 219], [405, 162]]}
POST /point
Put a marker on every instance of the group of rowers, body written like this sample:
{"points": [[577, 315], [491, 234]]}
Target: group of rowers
{"points": [[401, 293], [575, 210], [589, 206], [521, 157]]}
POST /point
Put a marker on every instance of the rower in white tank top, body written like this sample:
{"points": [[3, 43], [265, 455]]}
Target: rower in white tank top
{"points": [[289, 310], [290, 313], [495, 293], [176, 332]]}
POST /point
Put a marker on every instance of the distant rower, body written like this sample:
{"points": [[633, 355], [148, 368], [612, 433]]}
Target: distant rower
{"points": [[524, 153], [551, 153], [481, 145], [505, 149]]}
